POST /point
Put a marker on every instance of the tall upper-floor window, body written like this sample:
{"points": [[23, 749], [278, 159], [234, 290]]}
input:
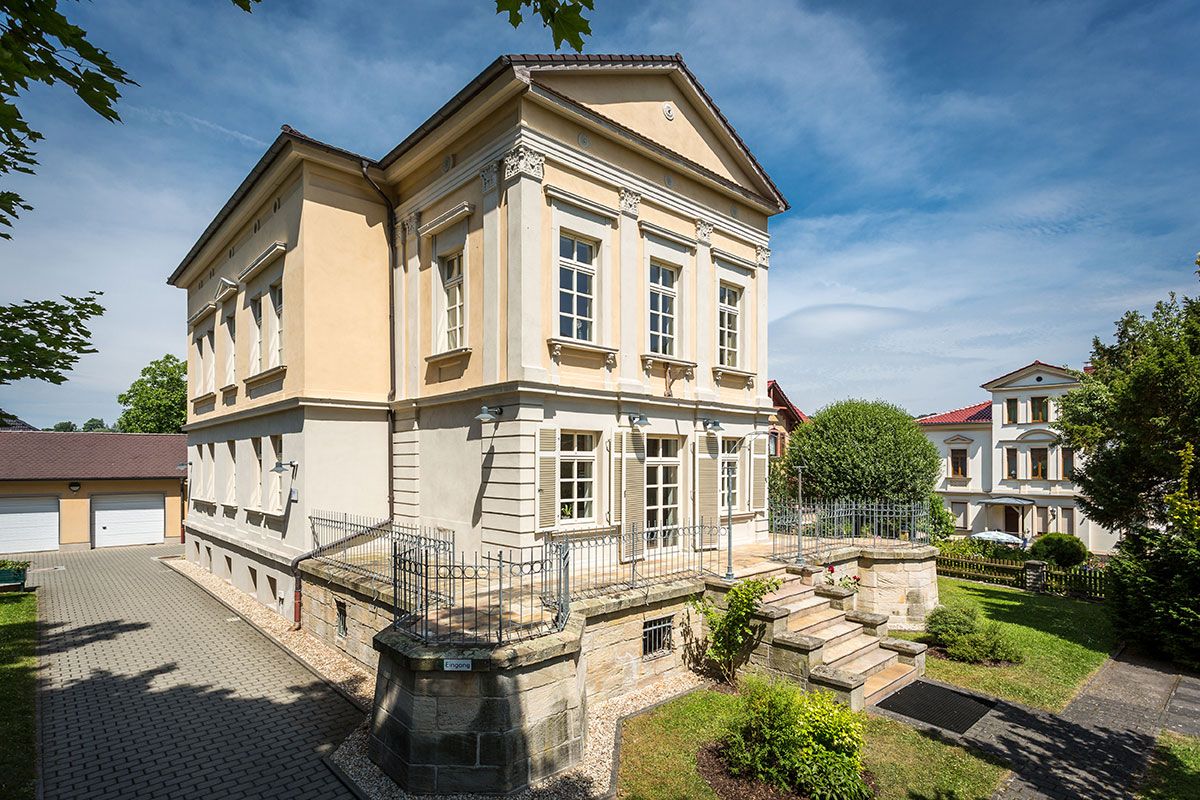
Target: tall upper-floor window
{"points": [[1039, 409], [276, 470], [1038, 458], [275, 342], [1010, 463], [1068, 463], [576, 288], [452, 297], [958, 463], [1011, 408], [728, 306], [256, 463], [230, 348], [231, 473], [256, 343], [662, 309]]}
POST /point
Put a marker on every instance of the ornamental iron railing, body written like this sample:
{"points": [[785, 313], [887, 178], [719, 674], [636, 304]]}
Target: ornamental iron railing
{"points": [[810, 534]]}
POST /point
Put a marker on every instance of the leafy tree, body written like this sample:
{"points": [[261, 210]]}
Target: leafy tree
{"points": [[861, 449], [43, 339], [1154, 579], [1136, 408], [39, 45], [157, 401], [94, 424], [66, 426]]}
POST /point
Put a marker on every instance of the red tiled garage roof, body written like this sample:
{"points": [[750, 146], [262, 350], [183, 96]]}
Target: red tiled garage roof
{"points": [[48, 455], [980, 412]]}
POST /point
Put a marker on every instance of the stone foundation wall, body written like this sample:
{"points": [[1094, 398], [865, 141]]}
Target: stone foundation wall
{"points": [[367, 603]]}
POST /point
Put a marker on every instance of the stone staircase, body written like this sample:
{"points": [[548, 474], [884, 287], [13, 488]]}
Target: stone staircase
{"points": [[819, 633]]}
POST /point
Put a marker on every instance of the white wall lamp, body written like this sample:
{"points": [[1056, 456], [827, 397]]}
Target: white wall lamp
{"points": [[489, 414], [639, 421], [712, 426], [284, 466]]}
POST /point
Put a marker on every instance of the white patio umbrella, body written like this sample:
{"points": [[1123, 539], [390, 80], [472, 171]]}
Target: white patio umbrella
{"points": [[998, 536]]}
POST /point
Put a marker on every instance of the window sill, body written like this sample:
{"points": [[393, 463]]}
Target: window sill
{"points": [[558, 344], [226, 504], [204, 398], [448, 355], [262, 512], [228, 388], [668, 362], [959, 479], [265, 376], [719, 374], [202, 501]]}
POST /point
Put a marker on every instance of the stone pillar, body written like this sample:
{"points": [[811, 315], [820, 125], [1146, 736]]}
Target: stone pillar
{"points": [[479, 721], [1035, 576]]}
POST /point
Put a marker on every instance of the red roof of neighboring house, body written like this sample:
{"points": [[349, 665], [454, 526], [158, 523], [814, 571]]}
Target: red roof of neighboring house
{"points": [[49, 455], [980, 412], [781, 399]]}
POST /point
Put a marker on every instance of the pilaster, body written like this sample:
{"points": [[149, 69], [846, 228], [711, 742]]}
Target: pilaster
{"points": [[524, 168], [630, 376], [490, 345]]}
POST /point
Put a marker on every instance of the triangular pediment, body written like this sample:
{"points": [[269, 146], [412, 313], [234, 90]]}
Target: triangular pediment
{"points": [[666, 107], [1032, 376], [959, 439]]}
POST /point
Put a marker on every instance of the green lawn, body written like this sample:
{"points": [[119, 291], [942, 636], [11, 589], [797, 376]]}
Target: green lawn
{"points": [[18, 669], [1175, 769], [658, 756], [1064, 642]]}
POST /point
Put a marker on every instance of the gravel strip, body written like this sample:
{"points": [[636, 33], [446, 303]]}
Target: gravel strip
{"points": [[591, 778], [335, 667]]}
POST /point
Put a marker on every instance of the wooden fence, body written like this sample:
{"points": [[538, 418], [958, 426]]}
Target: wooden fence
{"points": [[1081, 582]]}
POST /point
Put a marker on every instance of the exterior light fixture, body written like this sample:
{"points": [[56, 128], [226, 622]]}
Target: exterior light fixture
{"points": [[183, 465], [713, 426], [489, 414], [73, 486], [283, 466], [639, 421]]}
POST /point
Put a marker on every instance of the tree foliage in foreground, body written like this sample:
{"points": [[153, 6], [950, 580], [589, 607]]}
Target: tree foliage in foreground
{"points": [[43, 339], [868, 450], [1136, 409], [1154, 578], [157, 401]]}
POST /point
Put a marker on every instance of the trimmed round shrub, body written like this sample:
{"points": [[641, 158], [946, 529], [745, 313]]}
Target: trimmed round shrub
{"points": [[952, 621], [990, 643], [1061, 549], [807, 743]]}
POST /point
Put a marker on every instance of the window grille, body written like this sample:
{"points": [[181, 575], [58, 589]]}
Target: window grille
{"points": [[341, 618], [656, 637]]}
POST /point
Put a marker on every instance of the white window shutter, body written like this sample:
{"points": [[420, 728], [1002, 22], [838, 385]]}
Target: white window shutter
{"points": [[547, 466], [633, 542], [758, 474], [616, 492]]}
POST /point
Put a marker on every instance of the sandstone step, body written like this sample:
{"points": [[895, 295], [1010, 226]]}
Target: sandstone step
{"points": [[888, 681], [871, 662], [763, 569], [789, 592], [808, 624], [838, 632], [848, 650], [807, 603]]}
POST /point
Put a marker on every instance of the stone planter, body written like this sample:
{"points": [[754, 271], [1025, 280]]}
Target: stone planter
{"points": [[13, 579]]}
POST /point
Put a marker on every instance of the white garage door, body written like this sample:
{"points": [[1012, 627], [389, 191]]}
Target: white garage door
{"points": [[127, 519], [28, 524]]}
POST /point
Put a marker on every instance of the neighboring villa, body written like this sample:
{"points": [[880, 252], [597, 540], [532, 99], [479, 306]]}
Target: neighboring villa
{"points": [[1003, 468], [787, 418], [544, 309]]}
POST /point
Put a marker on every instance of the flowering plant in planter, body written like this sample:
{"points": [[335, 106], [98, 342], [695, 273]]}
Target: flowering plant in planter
{"points": [[846, 581], [13, 572]]}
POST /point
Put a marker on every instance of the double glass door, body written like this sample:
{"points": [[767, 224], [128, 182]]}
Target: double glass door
{"points": [[662, 493]]}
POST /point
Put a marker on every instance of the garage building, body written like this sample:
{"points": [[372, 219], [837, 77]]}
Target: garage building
{"points": [[84, 490]]}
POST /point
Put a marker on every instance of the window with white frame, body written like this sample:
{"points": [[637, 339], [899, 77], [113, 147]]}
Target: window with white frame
{"points": [[210, 360], [728, 304], [576, 288], [576, 477], [256, 345], [662, 309], [959, 512], [662, 492], [257, 465], [452, 309], [231, 473], [210, 471], [275, 343], [230, 347], [276, 472], [729, 473], [198, 348]]}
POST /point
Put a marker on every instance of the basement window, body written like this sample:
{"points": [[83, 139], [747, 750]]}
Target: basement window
{"points": [[656, 637], [341, 618]]}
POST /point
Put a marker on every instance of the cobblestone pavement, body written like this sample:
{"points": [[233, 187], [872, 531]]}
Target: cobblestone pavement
{"points": [[151, 688]]}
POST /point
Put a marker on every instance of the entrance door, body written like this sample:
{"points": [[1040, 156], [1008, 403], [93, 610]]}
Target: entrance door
{"points": [[119, 519], [662, 493], [1012, 520]]}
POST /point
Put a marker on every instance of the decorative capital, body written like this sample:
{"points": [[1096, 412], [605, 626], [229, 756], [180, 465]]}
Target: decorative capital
{"points": [[763, 256], [749, 381], [556, 352], [524, 160], [630, 200], [704, 230], [411, 223], [610, 360], [488, 176]]}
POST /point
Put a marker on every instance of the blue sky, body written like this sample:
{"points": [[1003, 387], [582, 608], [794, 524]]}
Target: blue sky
{"points": [[972, 188]]}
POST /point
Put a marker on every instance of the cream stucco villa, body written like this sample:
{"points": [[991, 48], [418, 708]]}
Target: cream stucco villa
{"points": [[573, 248], [1002, 466]]}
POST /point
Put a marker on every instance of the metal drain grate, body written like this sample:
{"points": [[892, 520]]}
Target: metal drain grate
{"points": [[936, 705]]}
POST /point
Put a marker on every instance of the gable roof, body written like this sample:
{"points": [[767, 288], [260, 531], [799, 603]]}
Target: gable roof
{"points": [[50, 455], [9, 424], [780, 398], [970, 415], [1031, 365]]}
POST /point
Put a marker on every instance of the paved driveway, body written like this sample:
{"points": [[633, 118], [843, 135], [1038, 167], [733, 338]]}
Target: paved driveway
{"points": [[151, 688]]}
